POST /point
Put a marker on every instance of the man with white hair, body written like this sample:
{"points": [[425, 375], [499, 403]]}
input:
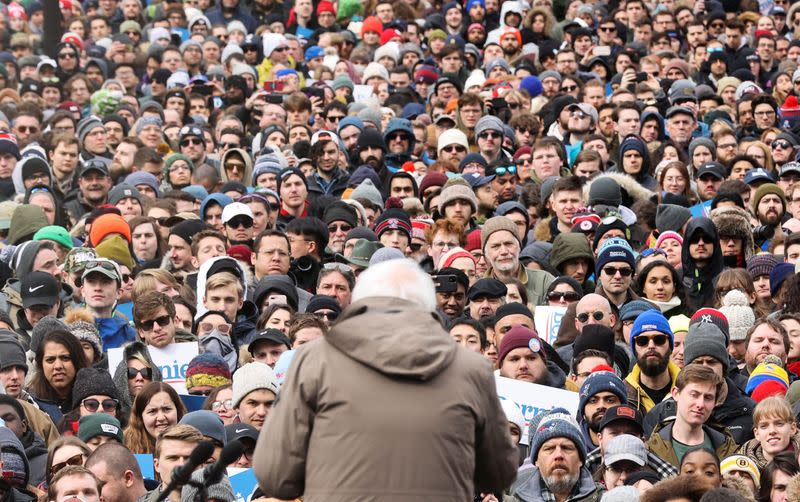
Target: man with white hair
{"points": [[388, 363]]}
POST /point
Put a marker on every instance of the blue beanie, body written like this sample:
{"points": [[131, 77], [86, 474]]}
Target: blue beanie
{"points": [[632, 310], [470, 2], [601, 381], [633, 143], [780, 273], [650, 320], [557, 423], [532, 85], [614, 252], [350, 121]]}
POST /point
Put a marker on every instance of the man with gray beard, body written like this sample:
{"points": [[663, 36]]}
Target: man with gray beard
{"points": [[558, 454]]}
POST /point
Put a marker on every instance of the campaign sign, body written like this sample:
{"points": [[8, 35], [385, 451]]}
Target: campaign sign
{"points": [[534, 399], [172, 360], [244, 483], [145, 461], [547, 321]]}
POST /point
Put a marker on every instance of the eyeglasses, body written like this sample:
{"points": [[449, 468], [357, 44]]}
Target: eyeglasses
{"points": [[570, 88], [66, 55], [240, 222], [644, 341], [227, 404], [27, 129], [623, 271], [207, 327], [454, 149], [147, 373], [765, 113], [162, 321], [339, 227], [597, 315], [73, 460], [499, 171], [490, 134], [442, 244], [608, 29], [191, 141], [92, 404], [781, 143], [570, 296], [229, 145], [727, 146]]}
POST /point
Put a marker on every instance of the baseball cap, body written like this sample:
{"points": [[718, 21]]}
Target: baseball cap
{"points": [[235, 209], [94, 165], [39, 288], [674, 110], [208, 423], [625, 447], [235, 432], [758, 175], [713, 168], [790, 167], [585, 108], [75, 260], [682, 90], [623, 412], [103, 266], [271, 335], [475, 180], [324, 135]]}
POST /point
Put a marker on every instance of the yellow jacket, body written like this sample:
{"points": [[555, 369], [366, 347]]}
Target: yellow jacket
{"points": [[636, 394]]}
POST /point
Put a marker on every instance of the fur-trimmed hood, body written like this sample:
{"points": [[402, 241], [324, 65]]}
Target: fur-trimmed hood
{"points": [[632, 191], [734, 221]]}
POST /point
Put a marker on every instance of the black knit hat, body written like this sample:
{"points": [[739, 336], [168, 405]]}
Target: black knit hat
{"points": [[370, 137], [597, 337], [187, 229], [340, 211], [11, 352], [288, 172], [92, 381], [318, 302], [393, 218]]}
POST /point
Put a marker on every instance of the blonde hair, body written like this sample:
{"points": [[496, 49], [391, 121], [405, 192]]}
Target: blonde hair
{"points": [[772, 407], [223, 280], [178, 432], [148, 279]]}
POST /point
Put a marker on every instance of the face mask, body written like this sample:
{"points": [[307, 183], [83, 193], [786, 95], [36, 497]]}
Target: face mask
{"points": [[221, 345]]}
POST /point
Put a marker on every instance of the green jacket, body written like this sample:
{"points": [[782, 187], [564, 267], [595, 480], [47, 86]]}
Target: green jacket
{"points": [[536, 283], [660, 442]]}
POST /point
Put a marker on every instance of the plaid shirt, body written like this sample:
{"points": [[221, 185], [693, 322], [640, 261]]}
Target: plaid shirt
{"points": [[663, 468]]}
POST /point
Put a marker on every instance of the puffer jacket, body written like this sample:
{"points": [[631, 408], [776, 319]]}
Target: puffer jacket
{"points": [[529, 484], [114, 331], [356, 385], [636, 394], [735, 414], [660, 442]]}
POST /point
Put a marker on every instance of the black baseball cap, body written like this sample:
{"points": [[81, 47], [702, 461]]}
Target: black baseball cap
{"points": [[39, 288], [713, 168], [235, 432], [94, 165], [623, 412], [270, 335], [491, 288]]}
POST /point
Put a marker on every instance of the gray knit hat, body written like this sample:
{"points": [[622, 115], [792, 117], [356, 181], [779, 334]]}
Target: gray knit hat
{"points": [[457, 192], [250, 377], [367, 190], [706, 142], [497, 224], [605, 191], [86, 125], [557, 423], [488, 123], [11, 352], [671, 217], [87, 332], [705, 339], [221, 491], [550, 73], [45, 325]]}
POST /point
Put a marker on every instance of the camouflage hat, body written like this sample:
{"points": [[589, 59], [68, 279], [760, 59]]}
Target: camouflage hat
{"points": [[74, 260]]}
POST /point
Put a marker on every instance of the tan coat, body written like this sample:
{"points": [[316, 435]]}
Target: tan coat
{"points": [[386, 407]]}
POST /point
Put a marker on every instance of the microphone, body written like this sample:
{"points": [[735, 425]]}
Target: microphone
{"points": [[227, 456], [182, 474]]}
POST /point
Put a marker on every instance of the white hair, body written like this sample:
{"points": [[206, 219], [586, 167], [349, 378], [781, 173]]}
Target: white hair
{"points": [[397, 278]]}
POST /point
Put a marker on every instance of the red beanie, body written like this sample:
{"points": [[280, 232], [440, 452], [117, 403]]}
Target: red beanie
{"points": [[373, 24], [520, 337], [524, 150], [509, 30], [388, 35], [473, 240], [325, 6], [766, 389], [106, 225]]}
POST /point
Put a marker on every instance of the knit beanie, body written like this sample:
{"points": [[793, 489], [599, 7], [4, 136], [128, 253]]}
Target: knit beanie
{"points": [[633, 309], [45, 325], [26, 220], [601, 381], [520, 337], [789, 113], [115, 249], [621, 494], [447, 259], [650, 320], [393, 218], [11, 352], [596, 337], [187, 229], [55, 233], [221, 491], [367, 190], [86, 125], [340, 211], [488, 123], [457, 192], [371, 24], [702, 141], [343, 81], [532, 85], [13, 459], [174, 158], [766, 189], [761, 264], [431, 180], [768, 388], [452, 137], [8, 144], [671, 217], [207, 370], [99, 424], [713, 316], [106, 224], [705, 339], [606, 225], [740, 463], [614, 253], [362, 174], [250, 377], [318, 302], [92, 381], [473, 240], [633, 143], [557, 423], [779, 274], [143, 178], [496, 224], [736, 308], [87, 332], [764, 372], [663, 236]]}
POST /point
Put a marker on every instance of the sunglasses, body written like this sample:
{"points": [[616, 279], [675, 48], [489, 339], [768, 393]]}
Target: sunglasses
{"points": [[597, 315], [147, 373], [513, 106], [334, 118], [644, 341], [570, 296], [698, 238], [74, 460], [781, 143], [207, 327], [240, 223], [397, 137], [454, 149], [570, 88], [623, 271], [331, 316], [522, 162], [337, 227], [227, 404], [92, 404], [499, 171], [162, 321], [191, 141], [608, 29], [490, 134], [66, 55], [27, 129]]}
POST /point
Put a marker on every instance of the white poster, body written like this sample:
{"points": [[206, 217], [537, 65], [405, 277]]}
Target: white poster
{"points": [[547, 321], [171, 360], [534, 399]]}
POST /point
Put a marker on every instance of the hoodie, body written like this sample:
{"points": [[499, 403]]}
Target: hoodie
{"points": [[120, 375], [699, 282], [36, 453], [529, 487], [114, 331], [248, 165]]}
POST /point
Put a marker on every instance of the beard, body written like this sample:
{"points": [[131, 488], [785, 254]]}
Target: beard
{"points": [[594, 422], [653, 368], [559, 484], [510, 50]]}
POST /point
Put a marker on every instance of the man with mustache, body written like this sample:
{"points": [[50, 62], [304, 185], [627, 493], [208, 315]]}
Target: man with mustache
{"points": [[769, 206], [601, 390], [767, 336], [522, 357], [701, 259], [94, 183], [558, 454], [654, 374], [370, 150]]}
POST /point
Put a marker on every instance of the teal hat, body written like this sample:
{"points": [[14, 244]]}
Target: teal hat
{"points": [[99, 424], [54, 233]]}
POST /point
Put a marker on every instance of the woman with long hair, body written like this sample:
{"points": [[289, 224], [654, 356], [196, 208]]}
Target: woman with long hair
{"points": [[660, 284], [738, 278], [155, 408], [58, 359]]}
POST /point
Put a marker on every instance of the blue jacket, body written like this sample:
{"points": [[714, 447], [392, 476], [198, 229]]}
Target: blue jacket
{"points": [[114, 331]]}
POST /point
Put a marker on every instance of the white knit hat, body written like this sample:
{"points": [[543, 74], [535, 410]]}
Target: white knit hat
{"points": [[736, 308], [513, 413], [451, 137], [375, 70], [391, 49], [250, 377]]}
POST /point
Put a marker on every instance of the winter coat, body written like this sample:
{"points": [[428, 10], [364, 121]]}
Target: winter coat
{"points": [[735, 414], [536, 283], [734, 221], [637, 396], [660, 442], [632, 191], [114, 331], [336, 187], [36, 452], [699, 282], [76, 205], [39, 421], [419, 416], [753, 450], [245, 326], [529, 484]]}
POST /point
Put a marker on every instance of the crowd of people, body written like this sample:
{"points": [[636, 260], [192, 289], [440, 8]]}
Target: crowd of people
{"points": [[354, 211]]}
